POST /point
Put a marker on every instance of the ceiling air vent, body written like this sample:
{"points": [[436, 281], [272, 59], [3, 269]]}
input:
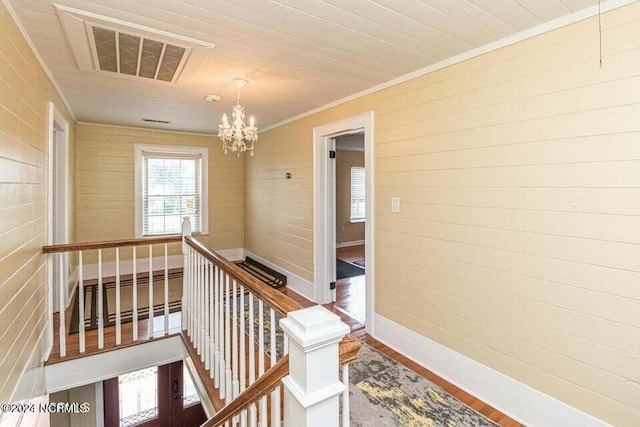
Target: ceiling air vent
{"points": [[109, 45]]}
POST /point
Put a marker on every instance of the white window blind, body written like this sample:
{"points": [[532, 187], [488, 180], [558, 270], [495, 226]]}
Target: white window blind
{"points": [[357, 194], [171, 190]]}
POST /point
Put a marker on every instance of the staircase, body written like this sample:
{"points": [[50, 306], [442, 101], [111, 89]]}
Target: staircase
{"points": [[262, 359]]}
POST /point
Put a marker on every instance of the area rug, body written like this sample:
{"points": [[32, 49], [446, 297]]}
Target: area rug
{"points": [[344, 270], [126, 301], [384, 393]]}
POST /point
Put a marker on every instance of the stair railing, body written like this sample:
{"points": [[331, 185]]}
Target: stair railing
{"points": [[100, 284], [242, 328]]}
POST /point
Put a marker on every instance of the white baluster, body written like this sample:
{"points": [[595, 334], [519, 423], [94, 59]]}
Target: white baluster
{"points": [[166, 289], [211, 309], [261, 356], [205, 303], [135, 295], [118, 319], [192, 293], [275, 394], [235, 344], [216, 328], [150, 324], [203, 314], [253, 415], [243, 369], [222, 364], [186, 232], [61, 307], [81, 302], [227, 341], [252, 342], [198, 302], [100, 311], [346, 418]]}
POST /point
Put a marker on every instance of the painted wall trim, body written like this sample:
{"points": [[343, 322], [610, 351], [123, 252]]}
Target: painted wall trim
{"points": [[498, 44], [23, 31], [294, 282], [102, 366], [349, 244], [517, 400], [178, 132]]}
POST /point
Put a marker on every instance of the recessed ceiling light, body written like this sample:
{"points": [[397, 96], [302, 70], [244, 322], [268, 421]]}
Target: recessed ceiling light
{"points": [[165, 122], [212, 98]]}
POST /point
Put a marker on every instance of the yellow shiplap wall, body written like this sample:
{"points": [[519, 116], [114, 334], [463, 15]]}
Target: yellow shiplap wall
{"points": [[25, 92], [518, 242], [105, 184]]}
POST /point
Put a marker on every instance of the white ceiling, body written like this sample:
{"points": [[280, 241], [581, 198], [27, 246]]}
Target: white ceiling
{"points": [[297, 54]]}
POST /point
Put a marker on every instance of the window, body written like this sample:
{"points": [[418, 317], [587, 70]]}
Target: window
{"points": [[357, 194], [189, 392], [138, 393], [171, 183]]}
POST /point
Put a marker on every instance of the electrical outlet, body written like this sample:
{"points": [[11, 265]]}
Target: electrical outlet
{"points": [[395, 205]]}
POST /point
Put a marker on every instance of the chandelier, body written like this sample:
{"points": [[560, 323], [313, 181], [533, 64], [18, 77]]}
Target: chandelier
{"points": [[237, 137]]}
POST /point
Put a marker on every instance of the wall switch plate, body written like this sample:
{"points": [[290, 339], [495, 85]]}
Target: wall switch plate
{"points": [[395, 205]]}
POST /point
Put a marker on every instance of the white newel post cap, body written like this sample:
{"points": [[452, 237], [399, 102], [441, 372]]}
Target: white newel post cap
{"points": [[312, 388], [313, 327]]}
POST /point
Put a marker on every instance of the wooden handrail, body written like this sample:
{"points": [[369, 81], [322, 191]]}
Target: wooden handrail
{"points": [[276, 300], [72, 247], [255, 391], [349, 348]]}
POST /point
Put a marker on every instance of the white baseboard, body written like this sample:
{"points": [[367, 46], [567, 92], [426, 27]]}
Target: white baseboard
{"points": [[349, 244], [515, 399], [294, 282], [90, 271]]}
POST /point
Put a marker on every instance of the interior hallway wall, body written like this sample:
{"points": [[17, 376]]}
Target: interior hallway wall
{"points": [[518, 238], [25, 93]]}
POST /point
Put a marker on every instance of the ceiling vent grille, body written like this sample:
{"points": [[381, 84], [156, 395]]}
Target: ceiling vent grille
{"points": [[108, 45], [119, 52]]}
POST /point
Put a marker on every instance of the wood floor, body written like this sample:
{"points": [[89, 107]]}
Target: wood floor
{"points": [[347, 303]]}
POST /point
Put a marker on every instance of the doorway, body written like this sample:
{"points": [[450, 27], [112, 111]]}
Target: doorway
{"points": [[350, 210], [326, 225], [153, 397]]}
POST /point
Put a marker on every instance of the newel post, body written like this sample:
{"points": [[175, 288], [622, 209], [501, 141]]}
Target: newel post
{"points": [[186, 232], [313, 387]]}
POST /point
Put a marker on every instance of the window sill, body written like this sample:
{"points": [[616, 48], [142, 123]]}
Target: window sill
{"points": [[355, 221]]}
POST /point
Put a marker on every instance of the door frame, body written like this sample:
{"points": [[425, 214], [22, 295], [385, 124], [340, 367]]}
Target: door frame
{"points": [[61, 146], [324, 241]]}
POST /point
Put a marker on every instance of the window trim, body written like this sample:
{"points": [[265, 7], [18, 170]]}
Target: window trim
{"points": [[351, 218], [138, 159]]}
